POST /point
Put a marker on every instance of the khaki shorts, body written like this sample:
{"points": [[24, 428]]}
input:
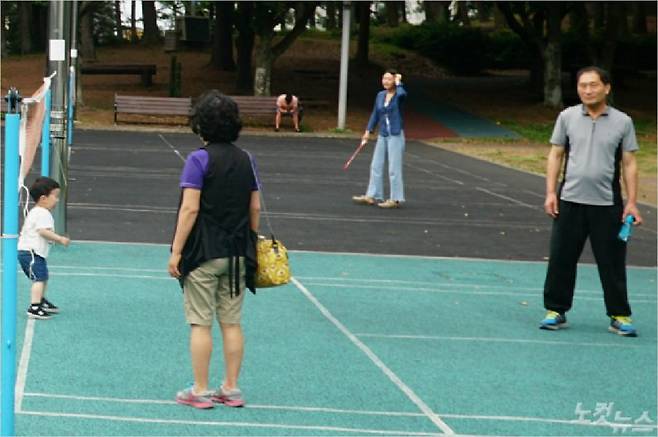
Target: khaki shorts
{"points": [[207, 294]]}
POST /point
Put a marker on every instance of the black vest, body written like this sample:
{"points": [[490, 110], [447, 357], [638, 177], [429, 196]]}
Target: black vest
{"points": [[222, 227]]}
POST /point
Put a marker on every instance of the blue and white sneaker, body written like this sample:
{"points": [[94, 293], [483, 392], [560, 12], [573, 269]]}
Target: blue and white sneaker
{"points": [[623, 326], [553, 321]]}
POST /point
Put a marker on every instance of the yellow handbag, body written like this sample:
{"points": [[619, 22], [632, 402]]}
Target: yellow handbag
{"points": [[273, 267]]}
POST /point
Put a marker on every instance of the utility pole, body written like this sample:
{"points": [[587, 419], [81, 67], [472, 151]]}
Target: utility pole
{"points": [[57, 20], [344, 61]]}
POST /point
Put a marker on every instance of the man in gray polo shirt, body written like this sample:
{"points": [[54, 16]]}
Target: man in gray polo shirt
{"points": [[597, 141]]}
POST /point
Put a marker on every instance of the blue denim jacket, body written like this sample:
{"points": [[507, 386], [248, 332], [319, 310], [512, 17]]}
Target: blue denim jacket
{"points": [[390, 116]]}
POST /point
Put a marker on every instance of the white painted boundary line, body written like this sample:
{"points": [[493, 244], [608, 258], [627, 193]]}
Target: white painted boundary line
{"points": [[376, 255], [440, 284], [248, 406], [341, 411], [375, 359], [226, 424], [496, 339], [450, 291], [23, 364]]}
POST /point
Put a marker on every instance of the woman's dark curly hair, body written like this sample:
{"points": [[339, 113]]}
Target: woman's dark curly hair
{"points": [[216, 118]]}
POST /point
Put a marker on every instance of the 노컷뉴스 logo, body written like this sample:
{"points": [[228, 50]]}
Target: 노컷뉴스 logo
{"points": [[605, 414]]}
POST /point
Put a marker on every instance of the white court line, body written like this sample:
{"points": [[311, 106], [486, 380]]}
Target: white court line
{"points": [[248, 406], [375, 359], [496, 339], [442, 284], [127, 269], [440, 164], [332, 410], [113, 275], [172, 147], [511, 199], [23, 364], [374, 255], [429, 172], [226, 424], [449, 291]]}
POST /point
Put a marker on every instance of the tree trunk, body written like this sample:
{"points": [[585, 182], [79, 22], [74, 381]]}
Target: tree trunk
{"points": [[222, 52], [244, 45], [392, 14], [462, 13], [331, 15], [118, 24], [552, 55], [598, 14], [133, 22], [499, 19], [264, 61], [151, 34], [436, 11], [268, 54], [40, 26], [3, 34], [25, 26], [622, 9], [640, 18], [403, 10], [364, 33], [87, 48], [614, 16]]}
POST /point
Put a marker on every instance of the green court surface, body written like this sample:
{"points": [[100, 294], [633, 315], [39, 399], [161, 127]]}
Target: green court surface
{"points": [[354, 345]]}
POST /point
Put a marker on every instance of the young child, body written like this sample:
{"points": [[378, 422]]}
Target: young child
{"points": [[34, 243]]}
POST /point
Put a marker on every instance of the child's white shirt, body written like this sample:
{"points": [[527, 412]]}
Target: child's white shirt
{"points": [[38, 218]]}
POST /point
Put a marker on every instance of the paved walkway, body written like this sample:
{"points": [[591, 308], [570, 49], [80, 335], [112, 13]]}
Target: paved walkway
{"points": [[427, 118]]}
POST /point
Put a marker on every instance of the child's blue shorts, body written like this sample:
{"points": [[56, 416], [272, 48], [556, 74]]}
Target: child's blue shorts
{"points": [[36, 270]]}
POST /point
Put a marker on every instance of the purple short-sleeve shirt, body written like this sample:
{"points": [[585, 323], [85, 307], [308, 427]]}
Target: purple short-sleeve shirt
{"points": [[196, 167]]}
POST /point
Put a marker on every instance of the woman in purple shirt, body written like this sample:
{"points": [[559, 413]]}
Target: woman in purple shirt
{"points": [[213, 249], [387, 113]]}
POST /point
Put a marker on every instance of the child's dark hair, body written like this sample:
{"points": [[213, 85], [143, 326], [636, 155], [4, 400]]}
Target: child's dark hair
{"points": [[43, 186], [391, 71], [288, 98]]}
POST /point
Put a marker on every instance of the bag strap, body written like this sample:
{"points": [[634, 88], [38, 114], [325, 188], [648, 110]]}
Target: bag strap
{"points": [[262, 197]]}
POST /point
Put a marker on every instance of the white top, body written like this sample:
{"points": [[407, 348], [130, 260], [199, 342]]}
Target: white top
{"points": [[38, 218]]}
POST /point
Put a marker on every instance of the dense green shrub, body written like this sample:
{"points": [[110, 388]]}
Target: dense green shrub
{"points": [[465, 50], [506, 49], [460, 49]]}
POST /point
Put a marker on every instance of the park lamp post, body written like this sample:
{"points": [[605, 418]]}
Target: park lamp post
{"points": [[58, 20], [344, 61]]}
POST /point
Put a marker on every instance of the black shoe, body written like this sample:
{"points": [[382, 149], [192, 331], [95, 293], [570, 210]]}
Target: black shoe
{"points": [[276, 129], [48, 306], [36, 312]]}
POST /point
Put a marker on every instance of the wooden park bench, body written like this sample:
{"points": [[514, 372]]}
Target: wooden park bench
{"points": [[168, 106], [266, 105], [250, 106], [146, 71]]}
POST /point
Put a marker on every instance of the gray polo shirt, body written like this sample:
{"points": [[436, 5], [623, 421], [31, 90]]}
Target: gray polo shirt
{"points": [[593, 153]]}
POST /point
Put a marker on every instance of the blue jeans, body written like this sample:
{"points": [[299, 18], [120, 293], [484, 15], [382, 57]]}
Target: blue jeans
{"points": [[393, 147]]}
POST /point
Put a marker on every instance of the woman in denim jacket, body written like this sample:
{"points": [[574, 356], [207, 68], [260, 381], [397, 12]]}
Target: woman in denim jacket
{"points": [[390, 142]]}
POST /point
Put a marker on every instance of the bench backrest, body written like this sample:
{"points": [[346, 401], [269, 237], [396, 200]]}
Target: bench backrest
{"points": [[152, 105], [255, 104], [118, 68]]}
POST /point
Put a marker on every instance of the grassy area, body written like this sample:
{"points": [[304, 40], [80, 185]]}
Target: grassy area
{"points": [[530, 153]]}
